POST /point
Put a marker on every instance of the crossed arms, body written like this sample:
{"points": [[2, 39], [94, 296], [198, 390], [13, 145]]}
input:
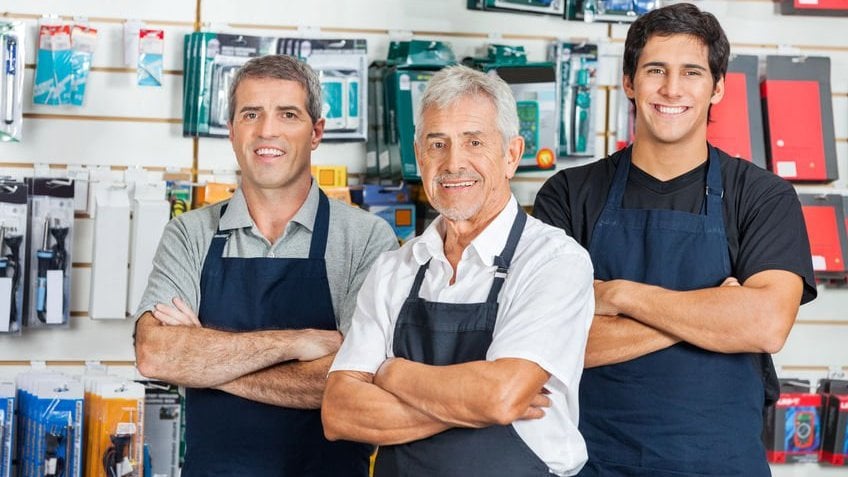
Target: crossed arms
{"points": [[633, 319], [279, 367]]}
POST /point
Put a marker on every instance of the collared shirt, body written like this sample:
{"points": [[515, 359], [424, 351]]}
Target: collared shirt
{"points": [[546, 308], [354, 241]]}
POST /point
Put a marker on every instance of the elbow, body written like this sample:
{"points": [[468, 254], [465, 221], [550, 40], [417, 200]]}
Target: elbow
{"points": [[328, 421], [146, 361], [772, 335]]}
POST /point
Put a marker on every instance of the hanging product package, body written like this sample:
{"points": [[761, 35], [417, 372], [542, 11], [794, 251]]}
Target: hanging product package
{"points": [[12, 51], [577, 65], [83, 43], [50, 426], [115, 445], [53, 75], [151, 46], [13, 228], [51, 243]]}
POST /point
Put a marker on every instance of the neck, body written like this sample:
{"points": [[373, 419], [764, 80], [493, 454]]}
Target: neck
{"points": [[460, 233], [667, 161], [271, 209]]}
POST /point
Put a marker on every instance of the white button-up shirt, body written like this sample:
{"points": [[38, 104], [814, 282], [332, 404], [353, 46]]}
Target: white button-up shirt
{"points": [[546, 308]]}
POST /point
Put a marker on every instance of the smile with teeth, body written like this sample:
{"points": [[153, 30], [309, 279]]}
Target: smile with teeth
{"points": [[451, 185], [269, 151], [670, 109]]}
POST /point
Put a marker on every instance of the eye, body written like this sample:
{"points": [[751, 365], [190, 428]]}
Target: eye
{"points": [[475, 143], [249, 115], [693, 73], [655, 71], [290, 115]]}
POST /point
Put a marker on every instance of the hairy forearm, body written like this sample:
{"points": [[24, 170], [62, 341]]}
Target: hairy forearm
{"points": [[473, 394], [295, 384], [202, 357], [754, 317], [355, 409], [616, 339]]}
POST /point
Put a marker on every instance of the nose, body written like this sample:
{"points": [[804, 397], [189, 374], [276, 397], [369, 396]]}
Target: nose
{"points": [[671, 86], [269, 126]]}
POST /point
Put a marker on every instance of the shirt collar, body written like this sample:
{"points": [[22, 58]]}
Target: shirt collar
{"points": [[237, 215], [487, 245]]}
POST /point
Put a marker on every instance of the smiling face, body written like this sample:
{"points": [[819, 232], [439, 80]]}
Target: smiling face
{"points": [[272, 134], [464, 166], [673, 90]]}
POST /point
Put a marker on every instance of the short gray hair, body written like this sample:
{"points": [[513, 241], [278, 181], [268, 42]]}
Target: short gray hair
{"points": [[282, 67], [457, 82]]}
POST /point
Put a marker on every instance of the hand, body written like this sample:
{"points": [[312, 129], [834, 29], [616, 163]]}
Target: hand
{"points": [[535, 409], [178, 315], [604, 291], [730, 282], [314, 344]]}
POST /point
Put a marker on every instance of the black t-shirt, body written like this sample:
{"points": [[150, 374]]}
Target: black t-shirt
{"points": [[762, 215]]}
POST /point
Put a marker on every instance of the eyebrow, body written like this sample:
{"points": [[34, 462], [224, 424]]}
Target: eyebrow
{"points": [[278, 108], [442, 135], [665, 65]]}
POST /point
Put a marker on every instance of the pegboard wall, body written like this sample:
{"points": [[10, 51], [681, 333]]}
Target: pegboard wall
{"points": [[124, 126]]}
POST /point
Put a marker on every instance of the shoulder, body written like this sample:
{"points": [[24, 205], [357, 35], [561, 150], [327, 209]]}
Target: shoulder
{"points": [[197, 222], [750, 183]]}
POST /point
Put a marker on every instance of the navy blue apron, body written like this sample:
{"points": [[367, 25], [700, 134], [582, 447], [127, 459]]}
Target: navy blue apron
{"points": [[450, 333], [682, 410], [227, 435]]}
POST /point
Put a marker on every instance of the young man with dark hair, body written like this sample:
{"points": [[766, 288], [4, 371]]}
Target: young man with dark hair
{"points": [[701, 261]]}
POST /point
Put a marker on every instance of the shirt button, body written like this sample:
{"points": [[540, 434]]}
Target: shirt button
{"points": [[271, 255]]}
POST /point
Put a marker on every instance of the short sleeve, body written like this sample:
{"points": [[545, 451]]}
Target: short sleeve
{"points": [[549, 314], [367, 339], [772, 236]]}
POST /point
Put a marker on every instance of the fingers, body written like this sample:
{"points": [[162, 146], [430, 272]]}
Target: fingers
{"points": [[171, 316], [536, 408], [186, 310], [730, 282]]}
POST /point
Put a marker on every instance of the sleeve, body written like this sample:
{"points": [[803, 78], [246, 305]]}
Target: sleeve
{"points": [[552, 206], [176, 270], [366, 342], [381, 239], [772, 236], [549, 315]]}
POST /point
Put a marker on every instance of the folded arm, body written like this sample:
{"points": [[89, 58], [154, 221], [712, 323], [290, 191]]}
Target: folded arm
{"points": [[189, 355], [294, 384], [473, 394], [356, 409], [754, 317]]}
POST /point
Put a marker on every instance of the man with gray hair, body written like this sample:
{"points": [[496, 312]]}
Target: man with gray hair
{"points": [[466, 347], [273, 274]]}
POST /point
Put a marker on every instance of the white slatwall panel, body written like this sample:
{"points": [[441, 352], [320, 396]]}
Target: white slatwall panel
{"points": [[122, 125]]}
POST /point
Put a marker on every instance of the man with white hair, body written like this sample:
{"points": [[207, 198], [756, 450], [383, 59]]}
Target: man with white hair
{"points": [[466, 346]]}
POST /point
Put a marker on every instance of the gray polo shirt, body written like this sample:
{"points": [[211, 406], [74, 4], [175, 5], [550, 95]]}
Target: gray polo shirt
{"points": [[354, 241]]}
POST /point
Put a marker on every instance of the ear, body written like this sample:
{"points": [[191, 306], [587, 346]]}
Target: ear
{"points": [[514, 152], [317, 132], [627, 85], [718, 91]]}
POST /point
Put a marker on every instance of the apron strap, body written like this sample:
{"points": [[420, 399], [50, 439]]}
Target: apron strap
{"points": [[320, 228], [219, 240], [419, 279], [504, 260], [715, 189]]}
